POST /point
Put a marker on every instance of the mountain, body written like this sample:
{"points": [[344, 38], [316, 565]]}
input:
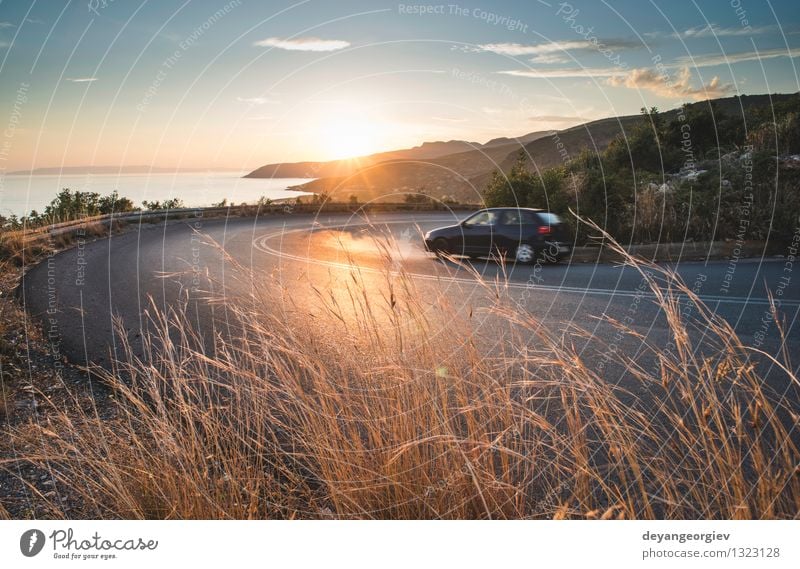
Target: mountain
{"points": [[464, 173], [342, 168]]}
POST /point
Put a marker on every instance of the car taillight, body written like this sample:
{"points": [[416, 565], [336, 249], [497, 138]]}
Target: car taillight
{"points": [[544, 230]]}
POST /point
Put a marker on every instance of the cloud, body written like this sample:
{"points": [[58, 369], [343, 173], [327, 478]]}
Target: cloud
{"points": [[491, 110], [33, 21], [6, 25], [517, 49], [303, 44], [678, 88], [81, 79], [709, 60], [714, 30], [255, 100], [563, 72], [548, 58]]}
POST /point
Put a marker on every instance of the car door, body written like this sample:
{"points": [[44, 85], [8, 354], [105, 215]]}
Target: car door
{"points": [[518, 226], [511, 230], [479, 232]]}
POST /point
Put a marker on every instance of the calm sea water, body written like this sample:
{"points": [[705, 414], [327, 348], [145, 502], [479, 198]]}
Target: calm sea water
{"points": [[21, 194]]}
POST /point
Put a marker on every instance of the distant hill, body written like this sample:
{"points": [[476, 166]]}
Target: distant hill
{"points": [[340, 168], [344, 167], [464, 172], [447, 175]]}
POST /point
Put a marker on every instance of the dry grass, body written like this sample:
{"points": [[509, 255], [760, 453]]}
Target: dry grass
{"points": [[286, 418], [28, 247]]}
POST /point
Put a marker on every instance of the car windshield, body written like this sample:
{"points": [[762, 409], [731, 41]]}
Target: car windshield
{"points": [[482, 218]]}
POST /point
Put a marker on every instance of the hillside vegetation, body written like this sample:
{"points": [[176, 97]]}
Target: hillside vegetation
{"points": [[700, 172]]}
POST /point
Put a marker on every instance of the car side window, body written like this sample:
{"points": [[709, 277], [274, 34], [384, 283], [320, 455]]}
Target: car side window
{"points": [[483, 218], [512, 217], [518, 217]]}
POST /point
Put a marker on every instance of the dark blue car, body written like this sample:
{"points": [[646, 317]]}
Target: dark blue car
{"points": [[527, 235]]}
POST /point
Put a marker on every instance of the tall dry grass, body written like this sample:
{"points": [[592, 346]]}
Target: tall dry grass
{"points": [[378, 414]]}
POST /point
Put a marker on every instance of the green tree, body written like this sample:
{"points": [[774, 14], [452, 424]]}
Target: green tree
{"points": [[114, 203], [516, 189]]}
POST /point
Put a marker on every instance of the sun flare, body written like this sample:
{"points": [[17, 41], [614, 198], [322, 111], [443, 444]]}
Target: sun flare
{"points": [[349, 136]]}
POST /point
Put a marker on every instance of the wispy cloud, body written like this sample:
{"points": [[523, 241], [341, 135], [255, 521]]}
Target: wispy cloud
{"points": [[643, 75], [81, 79], [550, 58], [6, 25], [34, 21], [714, 30], [709, 60], [303, 44], [255, 100], [518, 49], [679, 87], [565, 72]]}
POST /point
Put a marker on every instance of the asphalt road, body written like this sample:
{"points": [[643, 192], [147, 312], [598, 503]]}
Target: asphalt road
{"points": [[77, 295]]}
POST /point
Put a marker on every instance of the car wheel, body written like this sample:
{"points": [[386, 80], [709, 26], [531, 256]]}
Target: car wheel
{"points": [[441, 246], [524, 253]]}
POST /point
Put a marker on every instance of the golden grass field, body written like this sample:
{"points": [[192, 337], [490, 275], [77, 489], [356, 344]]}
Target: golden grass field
{"points": [[358, 419]]}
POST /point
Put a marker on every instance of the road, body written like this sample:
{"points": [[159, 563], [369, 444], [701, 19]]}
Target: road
{"points": [[77, 294]]}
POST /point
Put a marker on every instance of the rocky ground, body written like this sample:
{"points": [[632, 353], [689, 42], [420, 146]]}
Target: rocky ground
{"points": [[34, 386]]}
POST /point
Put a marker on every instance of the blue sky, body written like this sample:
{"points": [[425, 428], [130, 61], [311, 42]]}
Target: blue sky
{"points": [[241, 83]]}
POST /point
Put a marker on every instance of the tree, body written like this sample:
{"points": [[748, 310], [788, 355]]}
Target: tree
{"points": [[513, 190], [173, 203], [522, 188], [114, 203]]}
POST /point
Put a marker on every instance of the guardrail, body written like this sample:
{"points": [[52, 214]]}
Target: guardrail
{"points": [[595, 253], [61, 228]]}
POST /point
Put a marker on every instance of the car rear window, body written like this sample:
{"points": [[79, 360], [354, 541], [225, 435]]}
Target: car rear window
{"points": [[550, 218]]}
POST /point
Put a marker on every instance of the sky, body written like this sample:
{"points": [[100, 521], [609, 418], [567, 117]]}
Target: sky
{"points": [[241, 83]]}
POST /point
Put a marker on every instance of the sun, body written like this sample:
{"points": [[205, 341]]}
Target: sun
{"points": [[349, 136]]}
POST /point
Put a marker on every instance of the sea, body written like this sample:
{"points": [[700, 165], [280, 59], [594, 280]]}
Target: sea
{"points": [[21, 193]]}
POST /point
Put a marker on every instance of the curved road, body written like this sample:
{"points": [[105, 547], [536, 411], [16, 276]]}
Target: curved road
{"points": [[76, 295]]}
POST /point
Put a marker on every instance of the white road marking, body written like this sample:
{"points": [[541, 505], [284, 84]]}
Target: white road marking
{"points": [[260, 243]]}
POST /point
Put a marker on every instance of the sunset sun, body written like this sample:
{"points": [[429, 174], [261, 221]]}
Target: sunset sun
{"points": [[349, 136]]}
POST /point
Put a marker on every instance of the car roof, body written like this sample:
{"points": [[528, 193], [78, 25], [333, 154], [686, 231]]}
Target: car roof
{"points": [[533, 209]]}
